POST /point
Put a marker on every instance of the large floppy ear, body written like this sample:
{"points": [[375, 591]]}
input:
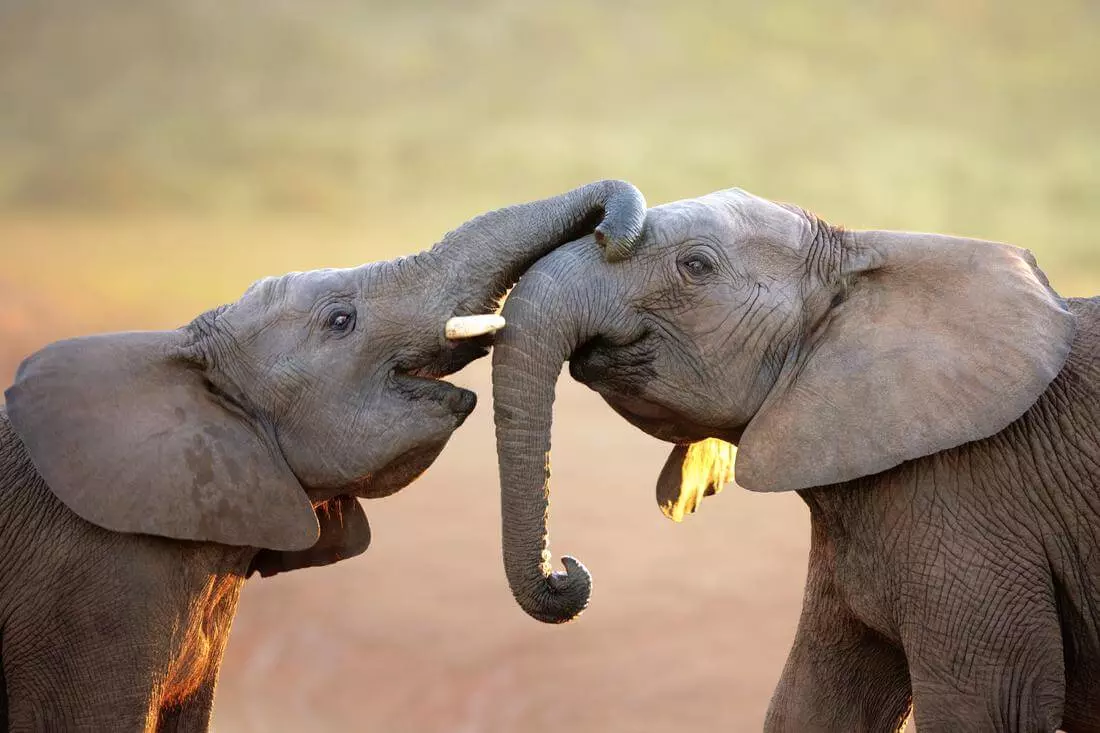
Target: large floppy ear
{"points": [[344, 533], [691, 473], [127, 432], [938, 341]]}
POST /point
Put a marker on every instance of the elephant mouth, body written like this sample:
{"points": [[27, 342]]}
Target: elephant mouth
{"points": [[458, 401], [423, 381], [441, 408]]}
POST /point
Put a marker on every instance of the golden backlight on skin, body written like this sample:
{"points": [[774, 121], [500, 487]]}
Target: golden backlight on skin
{"points": [[708, 464], [547, 562], [202, 637]]}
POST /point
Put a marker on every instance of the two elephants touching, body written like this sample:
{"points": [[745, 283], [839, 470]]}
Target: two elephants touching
{"points": [[932, 399]]}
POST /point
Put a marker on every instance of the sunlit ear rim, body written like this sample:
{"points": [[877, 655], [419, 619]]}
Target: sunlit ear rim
{"points": [[705, 470], [466, 327]]}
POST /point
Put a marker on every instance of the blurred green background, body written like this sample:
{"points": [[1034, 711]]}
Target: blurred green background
{"points": [[967, 116], [157, 156]]}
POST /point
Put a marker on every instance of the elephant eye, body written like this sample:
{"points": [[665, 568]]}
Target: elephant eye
{"points": [[341, 320], [696, 265]]}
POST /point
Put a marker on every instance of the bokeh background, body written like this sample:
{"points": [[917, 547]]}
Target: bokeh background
{"points": [[156, 157]]}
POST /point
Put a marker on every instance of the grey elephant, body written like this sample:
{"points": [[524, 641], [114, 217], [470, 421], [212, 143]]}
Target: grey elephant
{"points": [[932, 400], [143, 476]]}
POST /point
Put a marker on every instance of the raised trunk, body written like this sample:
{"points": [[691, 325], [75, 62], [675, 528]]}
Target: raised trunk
{"points": [[484, 257], [546, 323]]}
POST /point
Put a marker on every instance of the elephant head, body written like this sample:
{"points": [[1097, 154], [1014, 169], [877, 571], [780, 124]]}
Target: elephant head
{"points": [[822, 354], [258, 423]]}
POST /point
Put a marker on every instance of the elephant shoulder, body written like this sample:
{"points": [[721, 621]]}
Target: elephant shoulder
{"points": [[1067, 415], [27, 504], [1086, 344], [1079, 380], [16, 470]]}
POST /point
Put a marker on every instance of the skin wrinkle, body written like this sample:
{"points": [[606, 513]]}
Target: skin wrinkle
{"points": [[756, 329]]}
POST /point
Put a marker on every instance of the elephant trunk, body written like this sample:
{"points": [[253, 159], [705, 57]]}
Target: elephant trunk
{"points": [[546, 323], [484, 257]]}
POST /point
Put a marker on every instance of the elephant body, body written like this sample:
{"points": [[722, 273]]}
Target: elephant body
{"points": [[152, 613], [145, 475], [968, 579], [932, 399]]}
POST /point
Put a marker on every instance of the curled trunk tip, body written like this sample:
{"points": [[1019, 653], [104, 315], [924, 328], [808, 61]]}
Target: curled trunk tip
{"points": [[558, 597], [624, 218]]}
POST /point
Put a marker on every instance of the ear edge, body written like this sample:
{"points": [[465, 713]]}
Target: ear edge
{"points": [[691, 473]]}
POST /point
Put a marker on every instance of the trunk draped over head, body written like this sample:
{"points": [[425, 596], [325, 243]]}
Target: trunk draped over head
{"points": [[546, 323], [484, 257]]}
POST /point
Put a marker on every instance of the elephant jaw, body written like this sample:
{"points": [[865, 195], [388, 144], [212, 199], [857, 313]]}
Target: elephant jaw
{"points": [[394, 476], [659, 421]]}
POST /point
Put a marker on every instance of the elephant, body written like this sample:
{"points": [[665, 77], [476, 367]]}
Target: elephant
{"points": [[144, 476], [932, 400]]}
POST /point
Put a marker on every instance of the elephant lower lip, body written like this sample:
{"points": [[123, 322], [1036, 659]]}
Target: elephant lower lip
{"points": [[456, 399], [461, 401]]}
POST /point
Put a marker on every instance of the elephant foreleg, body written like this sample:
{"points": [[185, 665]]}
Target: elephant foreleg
{"points": [[3, 692], [988, 664], [192, 714], [840, 675]]}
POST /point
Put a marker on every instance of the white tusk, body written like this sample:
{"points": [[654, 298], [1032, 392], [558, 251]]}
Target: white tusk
{"points": [[465, 327]]}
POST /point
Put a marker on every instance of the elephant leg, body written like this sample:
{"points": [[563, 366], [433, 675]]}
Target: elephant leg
{"points": [[76, 663], [192, 714], [3, 691], [45, 699], [840, 675], [189, 688], [46, 692], [1016, 689], [986, 661]]}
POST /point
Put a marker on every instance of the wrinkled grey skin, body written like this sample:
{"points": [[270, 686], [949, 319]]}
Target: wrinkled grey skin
{"points": [[143, 476], [931, 399]]}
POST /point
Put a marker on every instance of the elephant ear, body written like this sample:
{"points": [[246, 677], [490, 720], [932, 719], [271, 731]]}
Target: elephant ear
{"points": [[127, 432], [937, 341], [691, 473], [344, 533]]}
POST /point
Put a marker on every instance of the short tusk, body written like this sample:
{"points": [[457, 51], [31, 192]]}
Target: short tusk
{"points": [[465, 327]]}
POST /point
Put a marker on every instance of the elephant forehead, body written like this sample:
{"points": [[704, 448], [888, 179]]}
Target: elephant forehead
{"points": [[299, 291], [730, 216]]}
